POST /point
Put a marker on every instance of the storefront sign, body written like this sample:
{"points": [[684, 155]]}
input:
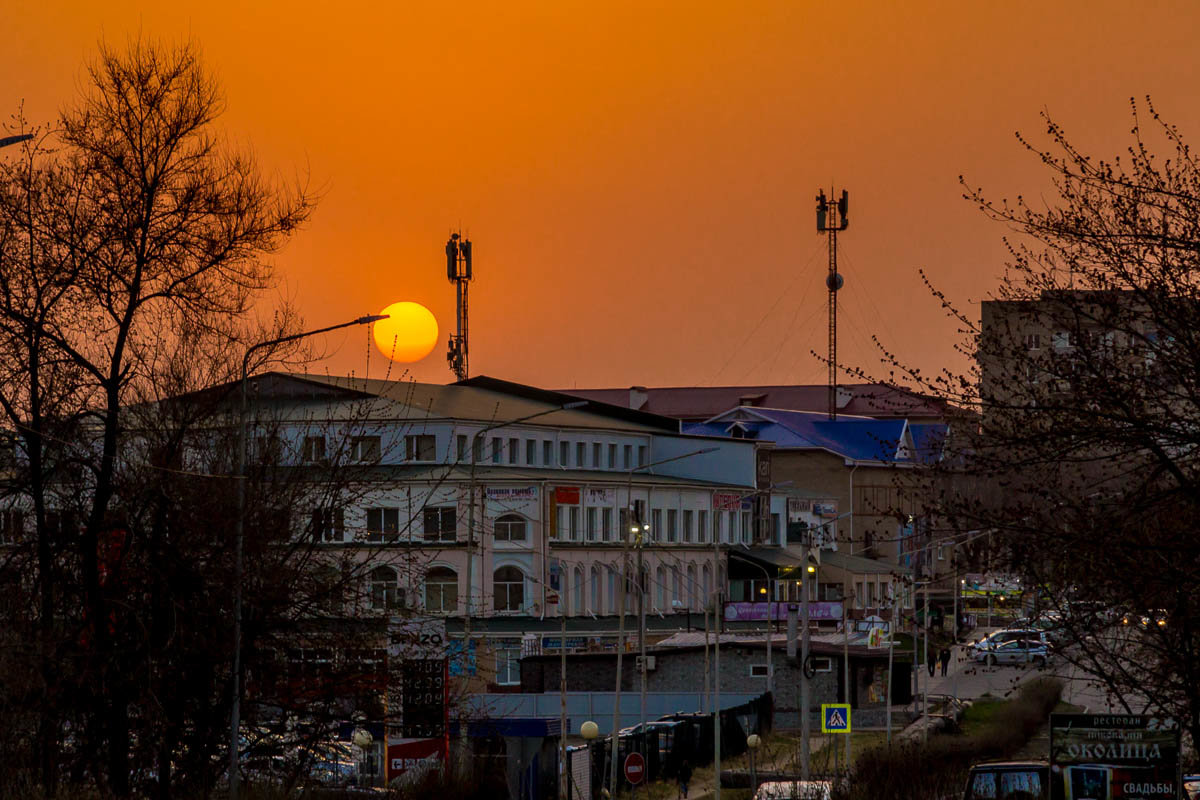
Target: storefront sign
{"points": [[825, 509], [601, 497], [414, 754], [1115, 756], [510, 494], [731, 501], [778, 610], [566, 495], [416, 637], [797, 506]]}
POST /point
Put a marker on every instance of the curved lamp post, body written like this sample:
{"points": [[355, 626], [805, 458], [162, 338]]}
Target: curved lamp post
{"points": [[752, 743], [240, 536]]}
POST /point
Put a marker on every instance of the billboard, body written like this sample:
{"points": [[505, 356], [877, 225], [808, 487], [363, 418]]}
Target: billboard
{"points": [[1114, 757]]}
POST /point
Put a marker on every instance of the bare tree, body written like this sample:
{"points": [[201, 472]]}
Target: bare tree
{"points": [[1084, 454]]}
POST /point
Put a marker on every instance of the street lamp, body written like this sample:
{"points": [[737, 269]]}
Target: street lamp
{"points": [[632, 526], [240, 535], [475, 452], [7, 140], [752, 743]]}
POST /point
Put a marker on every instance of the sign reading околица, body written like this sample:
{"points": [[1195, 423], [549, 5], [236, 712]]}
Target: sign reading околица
{"points": [[1114, 757]]}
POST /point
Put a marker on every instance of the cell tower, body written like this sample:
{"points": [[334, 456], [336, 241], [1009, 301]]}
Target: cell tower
{"points": [[831, 218], [458, 272]]}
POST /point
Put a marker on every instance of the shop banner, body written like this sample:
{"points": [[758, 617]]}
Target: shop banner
{"points": [[512, 494], [750, 612], [1114, 756], [601, 497], [566, 495]]}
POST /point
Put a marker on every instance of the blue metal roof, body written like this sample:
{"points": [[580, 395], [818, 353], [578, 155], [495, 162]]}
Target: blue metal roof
{"points": [[857, 438]]}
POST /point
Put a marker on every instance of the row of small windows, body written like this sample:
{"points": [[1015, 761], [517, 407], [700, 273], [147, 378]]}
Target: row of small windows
{"points": [[684, 527], [439, 524], [667, 589], [441, 590], [514, 450], [496, 450]]}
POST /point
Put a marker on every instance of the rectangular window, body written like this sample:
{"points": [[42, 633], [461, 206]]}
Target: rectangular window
{"points": [[612, 456], [547, 453], [314, 450], [593, 524], [597, 461], [625, 523], [365, 449], [508, 666], [860, 599], [1033, 341], [420, 448], [514, 450], [477, 449], [758, 670], [776, 528], [672, 525], [702, 532], [497, 449], [564, 454], [656, 531], [461, 442], [822, 663], [687, 525], [383, 524], [747, 527], [580, 454], [606, 524], [441, 524], [530, 452], [328, 525], [574, 516], [643, 458], [628, 456]]}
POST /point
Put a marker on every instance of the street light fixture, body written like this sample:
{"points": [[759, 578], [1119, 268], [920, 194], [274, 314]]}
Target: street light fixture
{"points": [[7, 140], [752, 743], [240, 535]]}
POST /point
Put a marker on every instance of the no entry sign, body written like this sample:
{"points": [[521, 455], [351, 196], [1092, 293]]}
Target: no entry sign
{"points": [[635, 768]]}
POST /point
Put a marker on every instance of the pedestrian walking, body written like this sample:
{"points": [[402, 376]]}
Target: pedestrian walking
{"points": [[685, 776], [944, 657]]}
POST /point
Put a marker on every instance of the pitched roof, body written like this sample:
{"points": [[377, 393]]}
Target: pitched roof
{"points": [[695, 403], [481, 399], [856, 438]]}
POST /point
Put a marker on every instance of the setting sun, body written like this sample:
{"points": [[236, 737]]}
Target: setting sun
{"points": [[408, 334]]}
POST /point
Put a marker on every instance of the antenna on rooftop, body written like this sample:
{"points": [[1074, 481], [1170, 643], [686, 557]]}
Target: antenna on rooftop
{"points": [[458, 272], [831, 218]]}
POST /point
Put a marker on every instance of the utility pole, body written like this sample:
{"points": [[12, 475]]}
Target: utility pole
{"points": [[831, 218], [643, 530], [805, 701], [458, 272]]}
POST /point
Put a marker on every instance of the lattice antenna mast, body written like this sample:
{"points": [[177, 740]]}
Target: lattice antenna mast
{"points": [[831, 218], [458, 272]]}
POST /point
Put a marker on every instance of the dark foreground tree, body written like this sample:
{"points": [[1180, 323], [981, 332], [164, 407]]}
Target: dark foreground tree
{"points": [[1084, 459], [133, 253]]}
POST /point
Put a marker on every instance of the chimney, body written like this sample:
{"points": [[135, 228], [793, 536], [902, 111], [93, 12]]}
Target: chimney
{"points": [[638, 397]]}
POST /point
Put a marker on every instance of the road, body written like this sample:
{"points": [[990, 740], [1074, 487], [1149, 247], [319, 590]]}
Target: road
{"points": [[967, 679]]}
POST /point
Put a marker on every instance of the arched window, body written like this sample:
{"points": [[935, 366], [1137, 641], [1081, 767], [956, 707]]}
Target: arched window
{"points": [[675, 593], [509, 528], [706, 585], [441, 590], [660, 581], [508, 589], [577, 597], [595, 607], [385, 589], [612, 590], [691, 586]]}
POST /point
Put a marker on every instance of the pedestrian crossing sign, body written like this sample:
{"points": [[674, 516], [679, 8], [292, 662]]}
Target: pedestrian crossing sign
{"points": [[835, 718]]}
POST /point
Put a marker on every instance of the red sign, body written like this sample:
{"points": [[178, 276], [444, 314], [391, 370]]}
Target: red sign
{"points": [[566, 495], [727, 501], [635, 768], [418, 754]]}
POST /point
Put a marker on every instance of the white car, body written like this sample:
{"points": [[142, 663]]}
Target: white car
{"points": [[1015, 651]]}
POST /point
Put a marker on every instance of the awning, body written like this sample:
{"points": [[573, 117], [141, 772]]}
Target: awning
{"points": [[859, 565]]}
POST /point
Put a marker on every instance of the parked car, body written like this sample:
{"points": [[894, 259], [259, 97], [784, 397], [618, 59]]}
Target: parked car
{"points": [[1015, 651], [994, 640], [1009, 780], [794, 790]]}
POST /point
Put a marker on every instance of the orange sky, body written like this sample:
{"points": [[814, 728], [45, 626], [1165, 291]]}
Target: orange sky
{"points": [[638, 177]]}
